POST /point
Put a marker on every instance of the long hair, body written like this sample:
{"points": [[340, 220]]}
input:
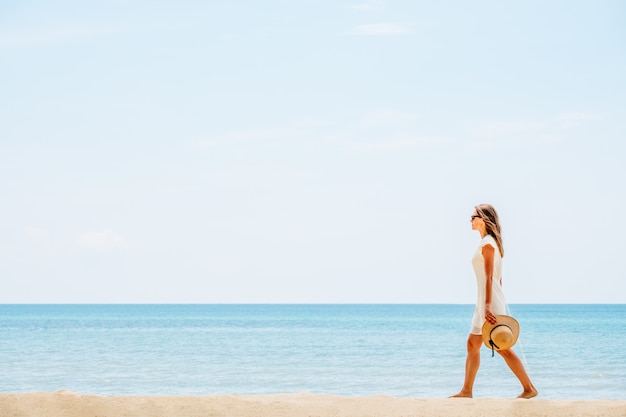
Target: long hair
{"points": [[492, 223]]}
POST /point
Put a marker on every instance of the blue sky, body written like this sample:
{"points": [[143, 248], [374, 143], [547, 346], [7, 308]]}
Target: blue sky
{"points": [[240, 151]]}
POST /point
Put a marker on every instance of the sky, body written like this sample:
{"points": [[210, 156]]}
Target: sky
{"points": [[310, 152]]}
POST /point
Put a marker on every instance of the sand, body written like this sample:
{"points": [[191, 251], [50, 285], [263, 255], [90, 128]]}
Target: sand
{"points": [[68, 404]]}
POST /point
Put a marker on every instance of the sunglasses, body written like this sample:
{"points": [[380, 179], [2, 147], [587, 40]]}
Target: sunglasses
{"points": [[475, 216]]}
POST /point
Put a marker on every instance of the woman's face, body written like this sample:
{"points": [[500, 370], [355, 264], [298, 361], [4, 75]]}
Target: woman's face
{"points": [[476, 220]]}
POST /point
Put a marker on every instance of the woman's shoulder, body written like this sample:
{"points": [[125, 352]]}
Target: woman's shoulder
{"points": [[488, 240]]}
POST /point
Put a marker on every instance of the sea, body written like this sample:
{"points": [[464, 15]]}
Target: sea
{"points": [[418, 351]]}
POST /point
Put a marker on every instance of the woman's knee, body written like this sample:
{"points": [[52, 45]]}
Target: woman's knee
{"points": [[474, 342]]}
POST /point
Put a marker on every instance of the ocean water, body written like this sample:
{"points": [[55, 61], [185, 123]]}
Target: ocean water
{"points": [[571, 351]]}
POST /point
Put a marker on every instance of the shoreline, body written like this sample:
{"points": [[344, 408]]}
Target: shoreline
{"points": [[68, 404]]}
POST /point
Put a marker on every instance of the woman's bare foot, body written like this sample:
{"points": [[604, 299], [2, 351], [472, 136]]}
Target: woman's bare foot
{"points": [[529, 393], [462, 394]]}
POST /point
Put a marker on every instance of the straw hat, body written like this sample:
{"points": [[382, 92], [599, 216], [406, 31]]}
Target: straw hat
{"points": [[502, 335]]}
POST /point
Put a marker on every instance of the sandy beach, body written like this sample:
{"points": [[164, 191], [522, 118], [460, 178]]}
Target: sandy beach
{"points": [[68, 404]]}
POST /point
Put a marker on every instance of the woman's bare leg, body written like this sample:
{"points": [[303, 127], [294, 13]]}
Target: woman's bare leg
{"points": [[472, 363], [513, 361]]}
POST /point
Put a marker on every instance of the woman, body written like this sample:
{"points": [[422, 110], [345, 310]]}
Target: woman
{"points": [[487, 263]]}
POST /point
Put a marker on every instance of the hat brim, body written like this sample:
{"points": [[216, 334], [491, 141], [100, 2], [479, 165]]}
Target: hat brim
{"points": [[501, 319]]}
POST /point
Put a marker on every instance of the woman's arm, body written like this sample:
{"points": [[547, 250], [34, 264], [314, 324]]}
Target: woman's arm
{"points": [[488, 252]]}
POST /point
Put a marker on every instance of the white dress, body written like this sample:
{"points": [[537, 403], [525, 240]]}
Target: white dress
{"points": [[498, 303]]}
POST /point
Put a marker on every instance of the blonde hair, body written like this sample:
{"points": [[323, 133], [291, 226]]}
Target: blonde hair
{"points": [[492, 223]]}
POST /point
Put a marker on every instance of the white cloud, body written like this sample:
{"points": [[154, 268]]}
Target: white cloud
{"points": [[380, 29], [298, 130], [500, 129], [381, 129], [388, 130], [521, 133], [266, 135], [60, 34], [567, 121], [388, 118], [102, 241], [397, 143]]}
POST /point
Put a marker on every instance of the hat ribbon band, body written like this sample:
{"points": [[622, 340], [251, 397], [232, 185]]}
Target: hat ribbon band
{"points": [[491, 342]]}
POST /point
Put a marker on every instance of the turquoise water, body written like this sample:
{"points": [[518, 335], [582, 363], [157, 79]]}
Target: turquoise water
{"points": [[572, 351]]}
